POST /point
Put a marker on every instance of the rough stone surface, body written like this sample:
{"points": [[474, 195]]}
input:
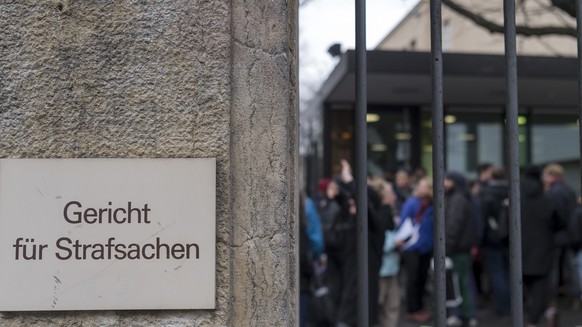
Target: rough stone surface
{"points": [[264, 117], [171, 79]]}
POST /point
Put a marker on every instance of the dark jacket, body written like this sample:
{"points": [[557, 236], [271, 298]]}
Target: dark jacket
{"points": [[346, 257], [539, 221], [574, 229], [491, 199], [336, 223], [459, 223], [339, 236], [565, 199]]}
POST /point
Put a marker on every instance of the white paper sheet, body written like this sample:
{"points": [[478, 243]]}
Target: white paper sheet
{"points": [[408, 232]]}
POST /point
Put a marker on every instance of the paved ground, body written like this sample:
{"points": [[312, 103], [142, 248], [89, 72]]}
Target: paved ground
{"points": [[569, 317]]}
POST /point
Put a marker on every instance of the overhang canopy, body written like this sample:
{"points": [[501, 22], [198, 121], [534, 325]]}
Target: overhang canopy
{"points": [[404, 78]]}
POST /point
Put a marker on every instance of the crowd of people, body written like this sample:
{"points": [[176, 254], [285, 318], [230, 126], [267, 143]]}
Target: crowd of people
{"points": [[400, 246]]}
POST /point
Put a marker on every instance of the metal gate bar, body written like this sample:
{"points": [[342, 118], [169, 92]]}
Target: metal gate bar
{"points": [[438, 163], [512, 146], [512, 140], [361, 163], [579, 36]]}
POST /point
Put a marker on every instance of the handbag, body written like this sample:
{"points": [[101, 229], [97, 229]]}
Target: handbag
{"points": [[453, 288]]}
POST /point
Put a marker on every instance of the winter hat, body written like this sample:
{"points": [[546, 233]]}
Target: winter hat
{"points": [[533, 172], [323, 184], [458, 179]]}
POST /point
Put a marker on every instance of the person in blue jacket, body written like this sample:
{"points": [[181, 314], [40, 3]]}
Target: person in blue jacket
{"points": [[314, 231], [310, 251], [416, 255]]}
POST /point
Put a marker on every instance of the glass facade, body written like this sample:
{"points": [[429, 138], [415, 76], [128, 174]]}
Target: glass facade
{"points": [[555, 138], [401, 138], [341, 133], [473, 138], [392, 138], [389, 140]]}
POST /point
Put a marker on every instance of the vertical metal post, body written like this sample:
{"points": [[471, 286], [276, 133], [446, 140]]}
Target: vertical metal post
{"points": [[579, 35], [513, 165], [361, 160], [438, 162]]}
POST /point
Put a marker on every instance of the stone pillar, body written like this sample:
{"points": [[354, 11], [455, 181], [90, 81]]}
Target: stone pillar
{"points": [[264, 116], [169, 79]]}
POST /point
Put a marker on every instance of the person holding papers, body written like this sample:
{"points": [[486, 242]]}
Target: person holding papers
{"points": [[415, 239]]}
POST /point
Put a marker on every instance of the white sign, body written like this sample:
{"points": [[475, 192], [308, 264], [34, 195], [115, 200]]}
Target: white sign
{"points": [[107, 234]]}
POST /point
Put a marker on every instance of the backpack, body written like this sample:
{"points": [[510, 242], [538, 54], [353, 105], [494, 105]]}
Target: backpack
{"points": [[498, 227]]}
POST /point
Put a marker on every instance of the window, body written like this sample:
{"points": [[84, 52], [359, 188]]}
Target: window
{"points": [[391, 138], [555, 138]]}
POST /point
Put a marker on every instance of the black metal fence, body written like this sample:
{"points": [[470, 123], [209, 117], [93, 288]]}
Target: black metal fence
{"points": [[512, 164]]}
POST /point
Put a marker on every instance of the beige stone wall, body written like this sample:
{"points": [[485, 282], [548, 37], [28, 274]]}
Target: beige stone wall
{"points": [[184, 78], [461, 35]]}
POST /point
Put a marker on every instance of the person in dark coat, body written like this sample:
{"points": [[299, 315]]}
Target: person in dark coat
{"points": [[559, 192], [402, 188], [459, 239], [341, 245], [338, 226], [484, 174], [495, 252], [575, 231], [379, 216], [539, 222]]}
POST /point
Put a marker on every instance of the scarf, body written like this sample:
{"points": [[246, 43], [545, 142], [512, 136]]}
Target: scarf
{"points": [[423, 205]]}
